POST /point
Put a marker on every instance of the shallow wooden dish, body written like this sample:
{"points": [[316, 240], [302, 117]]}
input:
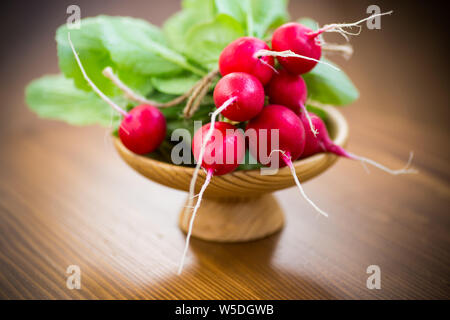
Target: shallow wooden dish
{"points": [[237, 206]]}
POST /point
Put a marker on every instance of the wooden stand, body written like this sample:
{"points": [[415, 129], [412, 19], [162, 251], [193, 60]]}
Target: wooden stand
{"points": [[257, 213], [234, 220]]}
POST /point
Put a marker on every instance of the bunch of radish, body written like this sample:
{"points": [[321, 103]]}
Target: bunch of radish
{"points": [[250, 78]]}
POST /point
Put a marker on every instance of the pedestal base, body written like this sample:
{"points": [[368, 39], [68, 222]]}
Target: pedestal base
{"points": [[234, 220]]}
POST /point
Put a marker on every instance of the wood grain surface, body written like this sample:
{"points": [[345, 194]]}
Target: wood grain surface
{"points": [[66, 197]]}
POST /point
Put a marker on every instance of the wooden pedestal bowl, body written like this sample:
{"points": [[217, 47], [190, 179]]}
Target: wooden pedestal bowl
{"points": [[238, 206]]}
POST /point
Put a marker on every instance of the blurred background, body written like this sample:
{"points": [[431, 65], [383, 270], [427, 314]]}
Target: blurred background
{"points": [[66, 197]]}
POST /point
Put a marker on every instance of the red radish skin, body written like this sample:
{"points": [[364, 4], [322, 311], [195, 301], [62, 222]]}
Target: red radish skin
{"points": [[289, 90], [217, 150], [238, 56], [290, 128], [291, 141], [323, 143], [143, 129], [247, 91], [211, 155], [294, 37]]}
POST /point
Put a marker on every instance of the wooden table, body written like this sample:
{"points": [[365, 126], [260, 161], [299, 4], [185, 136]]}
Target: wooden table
{"points": [[67, 199]]}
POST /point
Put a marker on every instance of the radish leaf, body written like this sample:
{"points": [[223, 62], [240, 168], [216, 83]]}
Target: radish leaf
{"points": [[56, 97]]}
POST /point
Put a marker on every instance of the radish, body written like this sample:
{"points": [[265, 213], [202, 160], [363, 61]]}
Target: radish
{"points": [[323, 143], [143, 129], [298, 48], [246, 93], [214, 156], [290, 91], [291, 140], [294, 37], [238, 56], [239, 97]]}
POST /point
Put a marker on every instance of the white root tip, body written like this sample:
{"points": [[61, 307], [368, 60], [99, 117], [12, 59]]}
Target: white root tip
{"points": [[346, 50], [191, 222], [91, 84], [405, 170], [297, 182], [289, 54], [288, 162], [339, 27]]}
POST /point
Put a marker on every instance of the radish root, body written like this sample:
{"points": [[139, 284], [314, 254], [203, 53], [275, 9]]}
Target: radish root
{"points": [[340, 27], [92, 85], [202, 150], [289, 54], [311, 125], [405, 170], [287, 159], [346, 50], [191, 222]]}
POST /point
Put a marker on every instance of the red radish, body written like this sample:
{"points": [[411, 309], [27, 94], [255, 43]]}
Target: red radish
{"points": [[212, 155], [290, 91], [294, 37], [238, 56], [247, 92], [323, 143], [298, 48], [238, 96], [143, 129], [291, 140]]}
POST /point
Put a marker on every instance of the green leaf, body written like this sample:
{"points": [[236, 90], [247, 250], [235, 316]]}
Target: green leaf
{"points": [[256, 16], [56, 97], [93, 55], [206, 41], [308, 22], [177, 26], [175, 85], [139, 46], [133, 48], [205, 7], [330, 86]]}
